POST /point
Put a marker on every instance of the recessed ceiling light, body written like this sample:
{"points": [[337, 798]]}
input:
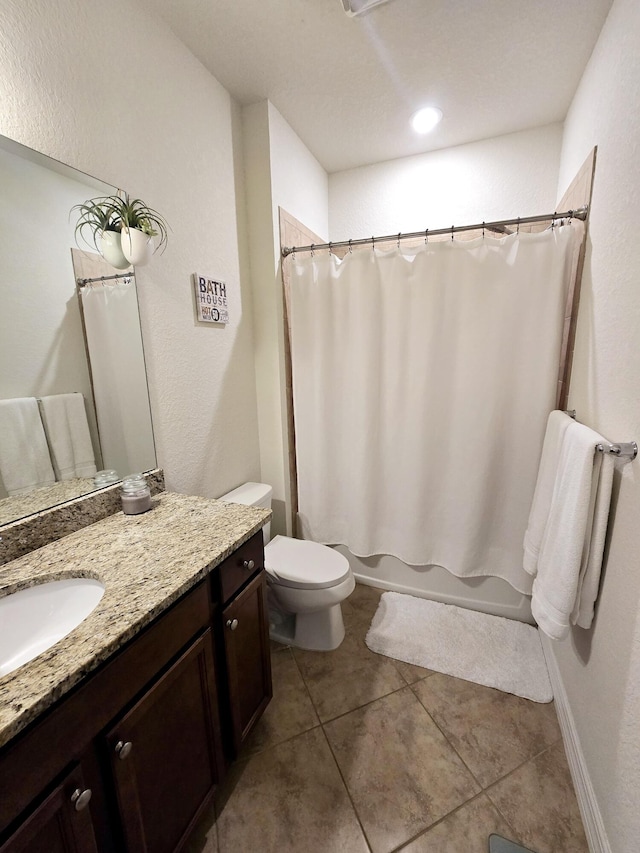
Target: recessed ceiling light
{"points": [[426, 119]]}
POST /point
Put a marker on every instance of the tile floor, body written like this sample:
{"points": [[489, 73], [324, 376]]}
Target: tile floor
{"points": [[361, 754]]}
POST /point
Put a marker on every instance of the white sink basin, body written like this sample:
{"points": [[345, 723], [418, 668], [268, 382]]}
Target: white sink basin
{"points": [[34, 619]]}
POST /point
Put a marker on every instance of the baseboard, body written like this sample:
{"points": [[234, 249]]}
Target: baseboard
{"points": [[589, 809]]}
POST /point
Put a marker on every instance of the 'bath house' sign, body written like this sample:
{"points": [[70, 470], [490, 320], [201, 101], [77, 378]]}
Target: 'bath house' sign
{"points": [[211, 299]]}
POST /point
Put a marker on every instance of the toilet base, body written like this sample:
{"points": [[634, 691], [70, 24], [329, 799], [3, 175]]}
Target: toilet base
{"points": [[322, 631]]}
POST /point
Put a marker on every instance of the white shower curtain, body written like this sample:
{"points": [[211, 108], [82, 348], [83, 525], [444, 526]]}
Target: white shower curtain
{"points": [[116, 359], [422, 381]]}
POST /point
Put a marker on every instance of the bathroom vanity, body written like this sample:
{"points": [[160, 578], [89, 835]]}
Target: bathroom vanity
{"points": [[116, 737]]}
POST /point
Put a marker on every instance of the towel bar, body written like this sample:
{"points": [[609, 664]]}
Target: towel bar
{"points": [[624, 450]]}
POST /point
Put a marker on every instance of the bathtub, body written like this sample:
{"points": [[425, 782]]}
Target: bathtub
{"points": [[487, 594]]}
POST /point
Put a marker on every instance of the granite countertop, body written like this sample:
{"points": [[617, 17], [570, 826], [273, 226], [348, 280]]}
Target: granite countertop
{"points": [[18, 506], [146, 562]]}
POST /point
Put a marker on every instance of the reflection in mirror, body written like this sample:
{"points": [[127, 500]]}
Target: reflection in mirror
{"points": [[109, 307], [62, 416]]}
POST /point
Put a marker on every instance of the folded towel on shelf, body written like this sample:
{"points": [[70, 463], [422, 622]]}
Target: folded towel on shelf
{"points": [[25, 463], [557, 424], [567, 569], [67, 429]]}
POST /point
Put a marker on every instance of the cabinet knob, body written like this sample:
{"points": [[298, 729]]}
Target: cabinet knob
{"points": [[249, 565], [232, 624], [80, 798], [123, 749]]}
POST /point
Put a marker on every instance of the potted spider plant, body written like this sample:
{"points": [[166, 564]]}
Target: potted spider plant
{"points": [[99, 217], [129, 225]]}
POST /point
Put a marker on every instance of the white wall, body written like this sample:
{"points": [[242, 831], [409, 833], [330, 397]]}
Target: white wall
{"points": [[280, 172], [601, 668], [299, 183], [500, 178], [108, 89]]}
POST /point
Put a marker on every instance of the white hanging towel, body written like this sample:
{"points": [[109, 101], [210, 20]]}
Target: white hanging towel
{"points": [[557, 424], [568, 565], [65, 423], [25, 463]]}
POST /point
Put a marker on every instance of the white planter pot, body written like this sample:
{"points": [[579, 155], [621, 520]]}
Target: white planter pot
{"points": [[111, 250], [137, 246]]}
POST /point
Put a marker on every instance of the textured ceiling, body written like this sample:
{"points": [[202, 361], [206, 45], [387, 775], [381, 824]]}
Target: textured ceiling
{"points": [[348, 86]]}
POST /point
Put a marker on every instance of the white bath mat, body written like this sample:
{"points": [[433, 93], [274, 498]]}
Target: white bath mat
{"points": [[489, 650]]}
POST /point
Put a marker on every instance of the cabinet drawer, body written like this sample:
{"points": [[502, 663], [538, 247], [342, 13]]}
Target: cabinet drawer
{"points": [[241, 566]]}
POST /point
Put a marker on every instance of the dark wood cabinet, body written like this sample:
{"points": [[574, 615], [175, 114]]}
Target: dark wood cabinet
{"points": [[165, 753], [60, 824], [247, 656], [152, 727]]}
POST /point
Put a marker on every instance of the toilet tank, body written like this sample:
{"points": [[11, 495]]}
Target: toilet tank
{"points": [[252, 494]]}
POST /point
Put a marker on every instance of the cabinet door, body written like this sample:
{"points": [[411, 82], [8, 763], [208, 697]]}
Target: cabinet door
{"points": [[165, 753], [246, 645], [60, 824]]}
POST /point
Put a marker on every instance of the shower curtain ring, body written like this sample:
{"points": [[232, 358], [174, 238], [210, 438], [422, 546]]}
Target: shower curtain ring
{"points": [[399, 233], [518, 227], [452, 233], [483, 229], [312, 249], [426, 236], [373, 244], [350, 248], [330, 244]]}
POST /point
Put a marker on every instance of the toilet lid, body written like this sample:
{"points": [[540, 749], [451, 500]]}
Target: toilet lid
{"points": [[302, 564]]}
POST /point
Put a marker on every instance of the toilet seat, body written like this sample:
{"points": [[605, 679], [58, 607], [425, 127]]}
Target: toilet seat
{"points": [[302, 564]]}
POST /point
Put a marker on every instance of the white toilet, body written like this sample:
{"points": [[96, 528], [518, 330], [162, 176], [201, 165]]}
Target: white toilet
{"points": [[306, 581]]}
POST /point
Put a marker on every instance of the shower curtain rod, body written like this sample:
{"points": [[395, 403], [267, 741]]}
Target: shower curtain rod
{"points": [[82, 281], [499, 226]]}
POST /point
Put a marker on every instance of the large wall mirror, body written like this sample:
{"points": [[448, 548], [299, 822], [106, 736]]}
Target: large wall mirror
{"points": [[73, 391]]}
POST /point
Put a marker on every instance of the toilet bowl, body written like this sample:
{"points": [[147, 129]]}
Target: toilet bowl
{"points": [[306, 582]]}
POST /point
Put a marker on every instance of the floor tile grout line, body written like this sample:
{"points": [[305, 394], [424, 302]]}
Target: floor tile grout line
{"points": [[364, 705], [431, 826], [465, 802], [346, 787], [506, 776], [321, 722], [297, 734], [402, 675], [522, 764], [322, 725], [444, 735], [306, 687], [485, 789], [499, 779], [278, 743], [356, 708]]}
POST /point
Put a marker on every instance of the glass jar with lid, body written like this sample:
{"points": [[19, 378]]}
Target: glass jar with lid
{"points": [[106, 477], [135, 494]]}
